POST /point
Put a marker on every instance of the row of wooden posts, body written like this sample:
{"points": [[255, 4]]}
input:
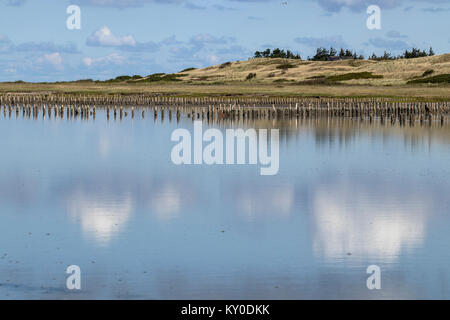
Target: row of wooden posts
{"points": [[395, 111], [310, 104]]}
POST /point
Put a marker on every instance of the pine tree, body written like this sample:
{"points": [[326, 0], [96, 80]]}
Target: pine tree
{"points": [[431, 52]]}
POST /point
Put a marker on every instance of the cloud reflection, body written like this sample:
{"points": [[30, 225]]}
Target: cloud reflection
{"points": [[100, 218], [357, 222], [166, 202], [256, 200]]}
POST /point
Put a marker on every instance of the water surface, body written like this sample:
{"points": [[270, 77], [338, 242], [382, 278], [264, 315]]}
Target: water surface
{"points": [[104, 195]]}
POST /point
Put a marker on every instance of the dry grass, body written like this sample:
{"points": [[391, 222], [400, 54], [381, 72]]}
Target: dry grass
{"points": [[253, 88], [395, 72], [273, 81]]}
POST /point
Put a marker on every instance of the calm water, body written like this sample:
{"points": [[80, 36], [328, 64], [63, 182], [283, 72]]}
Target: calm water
{"points": [[104, 195]]}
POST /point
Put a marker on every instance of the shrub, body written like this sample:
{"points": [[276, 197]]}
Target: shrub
{"points": [[352, 76], [428, 72], [188, 69], [119, 78], [250, 76], [442, 78], [224, 65], [163, 77], [281, 81], [317, 81], [285, 66]]}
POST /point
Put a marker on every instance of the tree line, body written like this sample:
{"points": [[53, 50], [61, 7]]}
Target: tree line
{"points": [[414, 53], [277, 53], [324, 54]]}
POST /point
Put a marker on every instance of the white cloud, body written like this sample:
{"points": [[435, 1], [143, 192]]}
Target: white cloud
{"points": [[331, 41], [113, 58], [201, 40], [103, 37], [15, 3], [328, 5], [122, 3], [53, 59], [213, 59], [4, 38], [355, 5]]}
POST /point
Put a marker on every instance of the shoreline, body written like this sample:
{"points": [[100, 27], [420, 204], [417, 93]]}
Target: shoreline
{"points": [[404, 93]]}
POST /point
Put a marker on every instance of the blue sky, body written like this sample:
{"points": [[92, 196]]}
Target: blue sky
{"points": [[146, 36]]}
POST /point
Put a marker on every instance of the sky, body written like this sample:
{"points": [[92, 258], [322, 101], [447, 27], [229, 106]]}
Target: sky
{"points": [[128, 37]]}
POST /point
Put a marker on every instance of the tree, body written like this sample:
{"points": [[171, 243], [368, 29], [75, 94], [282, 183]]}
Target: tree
{"points": [[332, 52], [387, 56], [321, 54], [414, 53], [276, 53], [431, 52]]}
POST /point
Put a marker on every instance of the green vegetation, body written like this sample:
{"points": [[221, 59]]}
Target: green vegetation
{"points": [[281, 81], [251, 89], [335, 80], [124, 78], [285, 66], [277, 53], [414, 53], [84, 81], [442, 78], [188, 69], [323, 54], [250, 76], [320, 80], [121, 79], [353, 76], [224, 65], [162, 77], [427, 73]]}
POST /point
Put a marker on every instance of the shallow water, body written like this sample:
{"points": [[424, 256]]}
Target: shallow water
{"points": [[104, 195]]}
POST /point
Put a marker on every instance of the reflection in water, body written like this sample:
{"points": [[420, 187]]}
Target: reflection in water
{"points": [[349, 193], [351, 221], [104, 146], [166, 202], [100, 218], [257, 200]]}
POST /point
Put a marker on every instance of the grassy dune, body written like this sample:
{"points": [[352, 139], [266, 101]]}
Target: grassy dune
{"points": [[390, 72], [417, 79]]}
